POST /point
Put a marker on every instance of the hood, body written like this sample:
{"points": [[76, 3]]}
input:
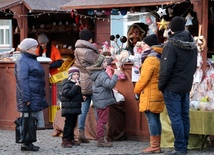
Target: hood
{"points": [[85, 44], [183, 40], [158, 48], [94, 74]]}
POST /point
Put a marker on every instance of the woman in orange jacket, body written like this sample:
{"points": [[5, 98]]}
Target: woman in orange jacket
{"points": [[151, 99], [46, 49]]}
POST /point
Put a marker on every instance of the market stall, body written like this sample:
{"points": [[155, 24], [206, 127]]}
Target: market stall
{"points": [[8, 107]]}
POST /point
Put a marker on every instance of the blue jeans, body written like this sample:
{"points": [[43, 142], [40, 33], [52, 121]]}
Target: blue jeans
{"points": [[177, 105], [153, 123], [84, 109]]}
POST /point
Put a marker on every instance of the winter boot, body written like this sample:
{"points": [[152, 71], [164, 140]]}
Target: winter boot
{"points": [[102, 143], [66, 143], [81, 137], [154, 145]]}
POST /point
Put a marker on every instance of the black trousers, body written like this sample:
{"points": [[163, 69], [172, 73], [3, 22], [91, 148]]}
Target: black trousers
{"points": [[70, 124]]}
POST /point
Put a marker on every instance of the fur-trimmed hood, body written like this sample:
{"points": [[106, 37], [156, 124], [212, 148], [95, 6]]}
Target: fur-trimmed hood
{"points": [[183, 40]]}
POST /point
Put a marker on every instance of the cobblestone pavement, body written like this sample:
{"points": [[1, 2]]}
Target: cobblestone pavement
{"points": [[52, 146]]}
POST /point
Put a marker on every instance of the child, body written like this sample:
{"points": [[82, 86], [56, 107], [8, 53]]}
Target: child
{"points": [[102, 96], [71, 98]]}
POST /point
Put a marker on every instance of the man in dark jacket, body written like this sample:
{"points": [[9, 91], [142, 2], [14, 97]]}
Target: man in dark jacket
{"points": [[178, 65]]}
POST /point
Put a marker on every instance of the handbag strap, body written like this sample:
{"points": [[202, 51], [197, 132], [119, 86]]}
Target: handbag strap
{"points": [[29, 111]]}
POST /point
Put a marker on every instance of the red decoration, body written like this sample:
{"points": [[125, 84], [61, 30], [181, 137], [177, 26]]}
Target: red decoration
{"points": [[72, 13]]}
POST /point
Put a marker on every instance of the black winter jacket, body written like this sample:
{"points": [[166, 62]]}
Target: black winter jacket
{"points": [[30, 83], [178, 63], [71, 98]]}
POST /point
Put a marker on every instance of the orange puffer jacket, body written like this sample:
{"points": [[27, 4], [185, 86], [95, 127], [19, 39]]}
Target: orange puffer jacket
{"points": [[147, 86]]}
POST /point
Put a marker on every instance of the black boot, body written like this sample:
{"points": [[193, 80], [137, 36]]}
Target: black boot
{"points": [[29, 147]]}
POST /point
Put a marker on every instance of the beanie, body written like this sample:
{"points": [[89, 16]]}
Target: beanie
{"points": [[177, 24], [85, 35], [72, 69], [27, 43], [151, 40], [42, 38]]}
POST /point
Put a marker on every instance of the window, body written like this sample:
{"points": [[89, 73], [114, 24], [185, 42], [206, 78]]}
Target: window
{"points": [[5, 34]]}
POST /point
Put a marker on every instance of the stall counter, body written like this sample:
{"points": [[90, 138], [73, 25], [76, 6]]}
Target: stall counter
{"points": [[8, 109]]}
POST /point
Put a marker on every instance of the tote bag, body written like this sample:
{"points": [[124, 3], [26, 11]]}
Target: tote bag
{"points": [[26, 129]]}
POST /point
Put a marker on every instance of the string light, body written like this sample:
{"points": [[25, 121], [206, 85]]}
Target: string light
{"points": [[56, 11]]}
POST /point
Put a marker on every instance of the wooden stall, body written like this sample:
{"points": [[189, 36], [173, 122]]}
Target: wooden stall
{"points": [[8, 106]]}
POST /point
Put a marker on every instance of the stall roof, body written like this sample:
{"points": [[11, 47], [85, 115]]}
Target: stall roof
{"points": [[86, 4], [34, 5]]}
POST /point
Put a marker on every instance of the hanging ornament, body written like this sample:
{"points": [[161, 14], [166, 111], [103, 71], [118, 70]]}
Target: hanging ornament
{"points": [[90, 12], [153, 27], [143, 9], [107, 11], [161, 12], [99, 12], [189, 19], [72, 13], [123, 12], [163, 24], [170, 11], [77, 18], [166, 33], [148, 19], [132, 10], [114, 12]]}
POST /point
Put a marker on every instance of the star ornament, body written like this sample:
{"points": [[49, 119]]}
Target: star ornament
{"points": [[161, 12], [163, 24]]}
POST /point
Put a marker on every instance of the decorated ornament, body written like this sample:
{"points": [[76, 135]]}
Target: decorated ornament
{"points": [[166, 33], [161, 12], [148, 20], [72, 13], [114, 12], [107, 11], [143, 9], [90, 12], [189, 19], [132, 10], [123, 12], [163, 24], [99, 12], [153, 27], [170, 11]]}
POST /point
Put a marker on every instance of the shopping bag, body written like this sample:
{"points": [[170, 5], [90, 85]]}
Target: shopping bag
{"points": [[26, 129], [118, 96]]}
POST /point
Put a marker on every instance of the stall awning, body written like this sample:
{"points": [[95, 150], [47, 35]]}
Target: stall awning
{"points": [[34, 5], [86, 4]]}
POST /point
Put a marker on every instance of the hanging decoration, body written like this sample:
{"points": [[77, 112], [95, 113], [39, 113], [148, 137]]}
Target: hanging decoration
{"points": [[132, 10], [99, 12], [148, 19], [163, 25], [161, 12], [143, 9], [114, 11], [72, 13], [153, 27], [189, 19], [90, 12], [107, 11], [171, 12], [123, 11]]}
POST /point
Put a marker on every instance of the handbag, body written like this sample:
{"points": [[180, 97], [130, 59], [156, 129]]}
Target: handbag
{"points": [[118, 96], [26, 129]]}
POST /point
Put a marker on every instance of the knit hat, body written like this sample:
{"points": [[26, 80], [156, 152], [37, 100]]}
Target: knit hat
{"points": [[85, 35], [177, 24], [151, 40], [27, 43], [42, 38], [72, 69]]}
